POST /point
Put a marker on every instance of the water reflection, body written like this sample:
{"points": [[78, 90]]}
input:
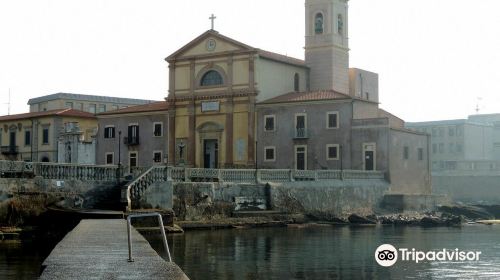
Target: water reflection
{"points": [[22, 260], [326, 252]]}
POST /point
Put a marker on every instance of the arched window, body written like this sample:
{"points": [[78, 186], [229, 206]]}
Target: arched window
{"points": [[340, 24], [296, 82], [318, 23], [211, 78]]}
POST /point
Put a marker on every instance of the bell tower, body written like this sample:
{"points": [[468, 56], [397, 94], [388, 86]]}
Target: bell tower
{"points": [[327, 45]]}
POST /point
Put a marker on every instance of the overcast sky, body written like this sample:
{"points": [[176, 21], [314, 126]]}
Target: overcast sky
{"points": [[436, 59]]}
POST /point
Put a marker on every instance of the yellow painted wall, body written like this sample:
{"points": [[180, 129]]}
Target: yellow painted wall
{"points": [[181, 126], [182, 80], [240, 72], [25, 124], [221, 46], [240, 124], [86, 125]]}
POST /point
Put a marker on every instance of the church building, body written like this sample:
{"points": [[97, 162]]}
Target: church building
{"points": [[231, 105], [216, 82]]}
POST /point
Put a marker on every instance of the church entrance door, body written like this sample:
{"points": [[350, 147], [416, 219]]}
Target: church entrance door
{"points": [[210, 153]]}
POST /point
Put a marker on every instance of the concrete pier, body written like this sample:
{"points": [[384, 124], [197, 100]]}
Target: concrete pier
{"points": [[97, 249]]}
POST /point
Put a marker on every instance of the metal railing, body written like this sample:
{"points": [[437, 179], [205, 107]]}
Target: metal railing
{"points": [[300, 132], [9, 150], [162, 229]]}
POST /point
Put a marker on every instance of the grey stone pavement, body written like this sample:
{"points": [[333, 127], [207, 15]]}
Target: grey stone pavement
{"points": [[97, 249]]}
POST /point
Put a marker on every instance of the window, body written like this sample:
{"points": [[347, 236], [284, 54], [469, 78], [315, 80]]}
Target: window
{"points": [[45, 136], [110, 158], [459, 148], [109, 132], [269, 153], [114, 107], [332, 152], [441, 132], [158, 129], [420, 153], [451, 131], [441, 148], [434, 132], [296, 82], [406, 152], [211, 78], [133, 134], [92, 108], [269, 123], [69, 105], [133, 160], [451, 148], [318, 23], [27, 137], [79, 106], [434, 148], [340, 24], [300, 126], [157, 156], [102, 108], [459, 131], [332, 120]]}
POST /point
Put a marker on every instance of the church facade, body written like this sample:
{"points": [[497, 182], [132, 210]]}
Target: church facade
{"points": [[215, 83]]}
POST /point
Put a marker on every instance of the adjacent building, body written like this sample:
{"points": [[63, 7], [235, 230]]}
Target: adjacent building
{"points": [[34, 136], [329, 130], [134, 136], [82, 102], [463, 144]]}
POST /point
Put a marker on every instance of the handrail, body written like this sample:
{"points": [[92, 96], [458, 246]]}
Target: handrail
{"points": [[162, 229], [131, 184]]}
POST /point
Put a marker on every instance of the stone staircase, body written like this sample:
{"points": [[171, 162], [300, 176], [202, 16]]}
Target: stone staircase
{"points": [[106, 197]]}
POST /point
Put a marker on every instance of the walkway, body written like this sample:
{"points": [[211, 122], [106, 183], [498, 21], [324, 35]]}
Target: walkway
{"points": [[97, 249]]}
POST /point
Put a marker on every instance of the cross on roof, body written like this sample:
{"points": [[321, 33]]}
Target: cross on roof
{"points": [[212, 18]]}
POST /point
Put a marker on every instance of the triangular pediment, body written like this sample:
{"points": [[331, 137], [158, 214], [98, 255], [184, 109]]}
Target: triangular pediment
{"points": [[210, 42]]}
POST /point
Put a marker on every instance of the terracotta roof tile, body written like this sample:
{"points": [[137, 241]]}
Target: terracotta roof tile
{"points": [[307, 96], [58, 112], [151, 107]]}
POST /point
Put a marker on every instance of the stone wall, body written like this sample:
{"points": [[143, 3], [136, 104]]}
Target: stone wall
{"points": [[157, 196], [482, 189], [22, 199], [197, 201], [334, 197]]}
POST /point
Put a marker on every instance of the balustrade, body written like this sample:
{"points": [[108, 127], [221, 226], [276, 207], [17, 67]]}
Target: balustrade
{"points": [[163, 173]]}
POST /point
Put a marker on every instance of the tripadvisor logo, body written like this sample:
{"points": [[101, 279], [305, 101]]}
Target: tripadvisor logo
{"points": [[387, 255]]}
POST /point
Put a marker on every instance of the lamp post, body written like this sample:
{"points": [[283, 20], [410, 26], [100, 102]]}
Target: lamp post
{"points": [[119, 172]]}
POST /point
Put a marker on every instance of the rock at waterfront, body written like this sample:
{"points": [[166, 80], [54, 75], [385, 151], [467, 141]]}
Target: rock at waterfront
{"points": [[431, 221], [471, 212], [356, 219]]}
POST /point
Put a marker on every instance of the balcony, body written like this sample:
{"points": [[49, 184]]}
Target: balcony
{"points": [[131, 141], [10, 150], [300, 133]]}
